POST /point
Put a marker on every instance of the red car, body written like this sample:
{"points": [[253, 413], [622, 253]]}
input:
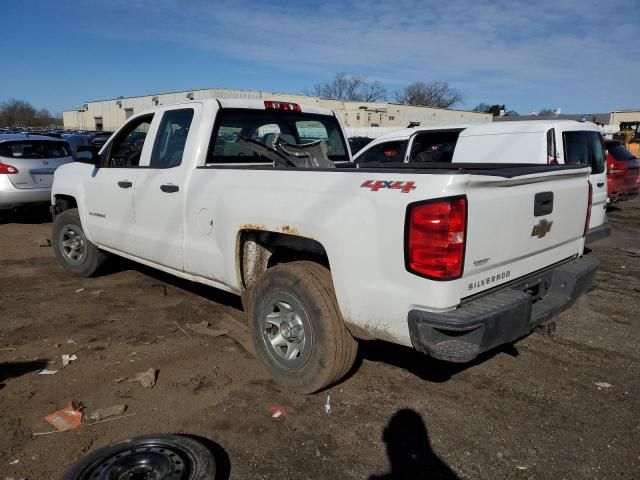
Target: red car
{"points": [[623, 179]]}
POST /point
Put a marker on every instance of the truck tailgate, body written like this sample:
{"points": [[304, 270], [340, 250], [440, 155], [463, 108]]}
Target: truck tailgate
{"points": [[521, 224]]}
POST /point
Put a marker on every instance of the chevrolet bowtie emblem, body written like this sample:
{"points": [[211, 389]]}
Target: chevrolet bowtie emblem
{"points": [[541, 229]]}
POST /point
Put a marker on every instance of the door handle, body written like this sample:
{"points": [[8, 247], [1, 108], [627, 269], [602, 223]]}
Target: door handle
{"points": [[125, 184], [600, 184], [168, 188]]}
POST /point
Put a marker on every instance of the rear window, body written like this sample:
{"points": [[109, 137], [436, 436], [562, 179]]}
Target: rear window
{"points": [[264, 126], [34, 149], [434, 147], [584, 148], [620, 153]]}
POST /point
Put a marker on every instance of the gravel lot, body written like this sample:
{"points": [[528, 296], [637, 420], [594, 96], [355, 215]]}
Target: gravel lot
{"points": [[530, 410]]}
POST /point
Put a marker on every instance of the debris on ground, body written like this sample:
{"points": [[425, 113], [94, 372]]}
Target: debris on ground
{"points": [[44, 371], [44, 242], [327, 406], [102, 413], [67, 359], [147, 379], [14, 462], [239, 331], [118, 380], [8, 349], [164, 288], [71, 341], [183, 330], [203, 328], [37, 434], [601, 385], [277, 411], [631, 251], [80, 290], [66, 418]]}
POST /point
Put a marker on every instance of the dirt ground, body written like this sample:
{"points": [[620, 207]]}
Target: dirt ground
{"points": [[530, 410]]}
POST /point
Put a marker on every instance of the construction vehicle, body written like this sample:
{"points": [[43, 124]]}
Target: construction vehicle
{"points": [[630, 134]]}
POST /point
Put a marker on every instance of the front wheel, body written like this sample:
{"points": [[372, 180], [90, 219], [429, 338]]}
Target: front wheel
{"points": [[297, 329], [71, 246]]}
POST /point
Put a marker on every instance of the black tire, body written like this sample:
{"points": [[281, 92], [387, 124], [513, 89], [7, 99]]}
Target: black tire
{"points": [[160, 456], [68, 228], [301, 296]]}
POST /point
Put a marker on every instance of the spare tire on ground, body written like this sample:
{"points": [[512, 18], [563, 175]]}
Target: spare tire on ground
{"points": [[147, 457]]}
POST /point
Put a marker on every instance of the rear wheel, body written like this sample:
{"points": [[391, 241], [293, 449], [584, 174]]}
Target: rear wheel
{"points": [[71, 246], [297, 329]]}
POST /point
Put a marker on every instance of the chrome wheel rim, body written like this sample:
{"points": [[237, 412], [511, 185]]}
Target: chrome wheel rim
{"points": [[73, 244], [286, 332]]}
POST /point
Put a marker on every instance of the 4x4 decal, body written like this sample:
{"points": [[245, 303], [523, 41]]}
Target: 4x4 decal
{"points": [[375, 185]]}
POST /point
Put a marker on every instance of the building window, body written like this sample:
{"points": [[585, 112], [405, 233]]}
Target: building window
{"points": [[391, 118], [128, 112], [368, 117], [357, 116], [98, 123]]}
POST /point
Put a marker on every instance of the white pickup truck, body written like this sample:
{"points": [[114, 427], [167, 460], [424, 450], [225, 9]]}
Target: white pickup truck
{"points": [[261, 199]]}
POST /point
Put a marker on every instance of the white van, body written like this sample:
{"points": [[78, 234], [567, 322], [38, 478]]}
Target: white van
{"points": [[520, 142]]}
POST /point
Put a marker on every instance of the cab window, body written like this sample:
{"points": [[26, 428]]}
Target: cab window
{"points": [[126, 148], [171, 138], [387, 152]]}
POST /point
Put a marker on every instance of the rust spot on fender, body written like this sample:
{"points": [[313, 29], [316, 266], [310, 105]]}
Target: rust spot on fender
{"points": [[290, 230], [253, 226]]}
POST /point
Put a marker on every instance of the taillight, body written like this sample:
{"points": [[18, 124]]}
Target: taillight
{"points": [[588, 219], [435, 238], [286, 106], [8, 169]]}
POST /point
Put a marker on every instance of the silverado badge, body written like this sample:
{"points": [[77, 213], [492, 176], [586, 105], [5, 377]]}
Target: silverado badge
{"points": [[541, 229]]}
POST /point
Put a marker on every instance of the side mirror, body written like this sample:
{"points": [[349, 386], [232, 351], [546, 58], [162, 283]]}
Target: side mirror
{"points": [[88, 154]]}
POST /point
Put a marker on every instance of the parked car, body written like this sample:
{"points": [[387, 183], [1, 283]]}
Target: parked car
{"points": [[260, 199], [523, 142], [27, 164], [623, 171]]}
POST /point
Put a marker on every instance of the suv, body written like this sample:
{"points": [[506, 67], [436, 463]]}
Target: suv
{"points": [[27, 164], [622, 171]]}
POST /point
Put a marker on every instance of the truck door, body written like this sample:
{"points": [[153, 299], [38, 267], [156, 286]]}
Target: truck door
{"points": [[586, 147], [109, 191], [160, 190]]}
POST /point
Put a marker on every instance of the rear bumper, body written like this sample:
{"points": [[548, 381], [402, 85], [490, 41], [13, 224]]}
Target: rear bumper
{"points": [[503, 316], [11, 197], [598, 233]]}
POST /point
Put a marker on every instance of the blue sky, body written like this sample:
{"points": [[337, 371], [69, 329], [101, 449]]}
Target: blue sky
{"points": [[580, 55]]}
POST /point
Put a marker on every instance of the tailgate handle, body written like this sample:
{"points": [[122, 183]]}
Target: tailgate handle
{"points": [[600, 184], [125, 184], [543, 204]]}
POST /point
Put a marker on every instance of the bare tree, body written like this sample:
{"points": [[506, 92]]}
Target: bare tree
{"points": [[429, 94], [349, 87], [20, 113], [546, 112]]}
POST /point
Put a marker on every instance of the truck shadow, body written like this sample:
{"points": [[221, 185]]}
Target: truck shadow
{"points": [[29, 215], [409, 450], [17, 369], [419, 364]]}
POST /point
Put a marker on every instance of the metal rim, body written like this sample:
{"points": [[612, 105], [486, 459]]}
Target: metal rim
{"points": [[145, 462], [73, 244], [286, 331]]}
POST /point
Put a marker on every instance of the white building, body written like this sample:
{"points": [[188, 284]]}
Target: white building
{"points": [[110, 114]]}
